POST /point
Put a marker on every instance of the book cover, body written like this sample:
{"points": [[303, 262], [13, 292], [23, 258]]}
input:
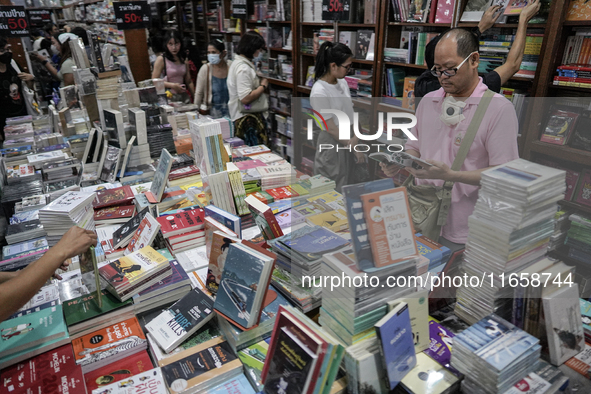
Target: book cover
{"points": [[41, 374], [33, 245], [244, 283], [559, 127], [313, 242], [418, 309], [514, 7], [264, 218], [290, 364], [177, 278], [220, 246], [238, 385], [389, 226], [440, 345], [333, 220], [84, 308], [362, 43], [122, 273], [119, 370], [474, 10], [397, 346], [146, 382], [124, 233], [29, 331], [445, 9], [232, 222], [408, 98], [90, 274], [117, 212], [428, 376], [183, 318], [113, 197], [581, 362], [144, 235], [197, 365], [583, 192], [104, 346], [160, 177], [578, 10], [562, 316], [181, 222]]}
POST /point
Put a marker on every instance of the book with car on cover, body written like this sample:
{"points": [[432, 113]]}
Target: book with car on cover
{"points": [[174, 325], [397, 346], [244, 284]]}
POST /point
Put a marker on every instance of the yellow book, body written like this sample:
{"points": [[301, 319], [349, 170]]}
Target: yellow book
{"points": [[332, 220]]}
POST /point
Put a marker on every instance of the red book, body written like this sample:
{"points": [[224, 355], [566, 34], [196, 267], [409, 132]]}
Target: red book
{"points": [[583, 195], [183, 172], [181, 222], [46, 373], [111, 197], [118, 370], [110, 213], [445, 10], [432, 9], [282, 193], [264, 218]]}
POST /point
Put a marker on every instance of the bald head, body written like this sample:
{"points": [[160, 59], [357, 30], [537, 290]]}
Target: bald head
{"points": [[465, 41]]}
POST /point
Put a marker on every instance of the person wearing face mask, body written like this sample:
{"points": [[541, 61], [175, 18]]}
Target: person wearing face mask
{"points": [[443, 117], [331, 91], [172, 66], [12, 101], [245, 88], [211, 94]]}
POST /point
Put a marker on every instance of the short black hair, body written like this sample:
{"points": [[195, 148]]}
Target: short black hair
{"points": [[46, 44], [218, 44], [80, 32], [250, 42], [3, 42], [49, 27], [465, 39]]}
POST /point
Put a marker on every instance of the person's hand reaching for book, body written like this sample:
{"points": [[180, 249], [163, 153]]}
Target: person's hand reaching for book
{"points": [[530, 10], [75, 242], [490, 16]]}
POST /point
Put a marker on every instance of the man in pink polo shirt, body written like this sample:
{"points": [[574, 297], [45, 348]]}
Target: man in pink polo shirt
{"points": [[439, 133]]}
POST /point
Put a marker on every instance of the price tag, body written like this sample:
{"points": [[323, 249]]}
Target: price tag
{"points": [[131, 15], [13, 21], [336, 10], [38, 18]]}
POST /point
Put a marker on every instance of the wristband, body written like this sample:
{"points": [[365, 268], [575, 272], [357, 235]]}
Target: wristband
{"points": [[44, 62]]}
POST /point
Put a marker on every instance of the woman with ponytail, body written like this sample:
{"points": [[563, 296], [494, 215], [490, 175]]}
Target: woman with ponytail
{"points": [[330, 91]]}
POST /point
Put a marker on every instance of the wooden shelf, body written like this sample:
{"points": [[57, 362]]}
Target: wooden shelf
{"points": [[448, 25], [419, 66], [504, 25], [356, 25], [304, 89], [308, 54], [562, 152], [325, 24], [524, 79], [577, 23], [279, 82], [575, 206], [361, 61], [280, 50]]}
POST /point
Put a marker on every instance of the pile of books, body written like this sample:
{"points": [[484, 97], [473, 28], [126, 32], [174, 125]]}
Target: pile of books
{"points": [[135, 272], [509, 230], [579, 238], [70, 209], [494, 355], [183, 230]]}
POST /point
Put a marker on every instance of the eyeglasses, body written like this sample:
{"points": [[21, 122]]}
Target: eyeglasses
{"points": [[450, 72], [348, 67]]}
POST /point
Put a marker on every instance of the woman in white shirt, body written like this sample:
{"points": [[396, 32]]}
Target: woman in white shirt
{"points": [[245, 88], [330, 91]]}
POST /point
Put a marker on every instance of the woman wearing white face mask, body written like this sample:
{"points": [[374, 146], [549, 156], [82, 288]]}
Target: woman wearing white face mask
{"points": [[248, 102], [211, 94]]}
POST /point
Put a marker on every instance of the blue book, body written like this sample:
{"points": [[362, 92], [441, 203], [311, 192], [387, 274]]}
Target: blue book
{"points": [[313, 241], [38, 332], [226, 218], [357, 225], [246, 270], [397, 345], [280, 206]]}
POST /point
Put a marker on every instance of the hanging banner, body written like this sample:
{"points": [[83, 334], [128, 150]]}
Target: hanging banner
{"points": [[336, 10], [39, 18], [131, 15], [13, 21]]}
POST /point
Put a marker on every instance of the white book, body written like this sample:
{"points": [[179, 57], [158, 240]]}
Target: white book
{"points": [[126, 156], [103, 155], [70, 203], [145, 234], [137, 118], [564, 327], [151, 380]]}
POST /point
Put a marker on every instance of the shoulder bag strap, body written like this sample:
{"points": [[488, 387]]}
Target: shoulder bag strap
{"points": [[209, 81], [463, 152], [164, 60]]}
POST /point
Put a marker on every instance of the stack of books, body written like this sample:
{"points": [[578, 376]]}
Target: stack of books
{"points": [[71, 209], [183, 230], [135, 272], [17, 233], [579, 238], [277, 176], [494, 355], [299, 254], [160, 137], [114, 215], [503, 242], [107, 88], [184, 176]]}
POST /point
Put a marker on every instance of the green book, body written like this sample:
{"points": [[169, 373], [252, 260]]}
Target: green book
{"points": [[85, 308]]}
